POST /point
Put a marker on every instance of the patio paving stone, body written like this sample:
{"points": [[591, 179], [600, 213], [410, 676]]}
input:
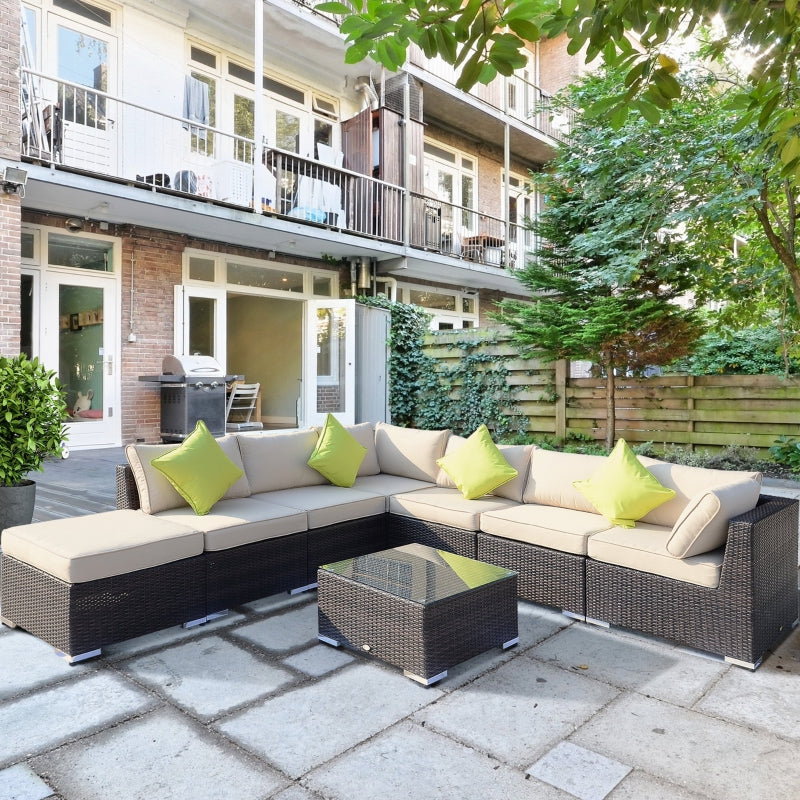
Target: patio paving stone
{"points": [[296, 792], [517, 712], [22, 783], [409, 761], [762, 699], [178, 633], [197, 675], [712, 757], [283, 632], [161, 755], [641, 786], [632, 662], [45, 719], [319, 660], [583, 773], [277, 602], [42, 665], [339, 711]]}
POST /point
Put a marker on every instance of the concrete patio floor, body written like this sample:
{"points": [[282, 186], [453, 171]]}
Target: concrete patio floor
{"points": [[251, 707]]}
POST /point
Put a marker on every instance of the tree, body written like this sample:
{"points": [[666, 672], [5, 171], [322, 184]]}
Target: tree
{"points": [[610, 265], [486, 37]]}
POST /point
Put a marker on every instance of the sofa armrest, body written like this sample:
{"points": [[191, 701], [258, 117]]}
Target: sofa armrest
{"points": [[127, 493]]}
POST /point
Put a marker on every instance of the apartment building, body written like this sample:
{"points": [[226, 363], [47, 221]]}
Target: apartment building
{"points": [[196, 177]]}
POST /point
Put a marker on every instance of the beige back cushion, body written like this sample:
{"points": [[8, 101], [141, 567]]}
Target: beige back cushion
{"points": [[688, 483], [518, 456], [279, 459], [703, 525], [156, 493], [551, 476], [364, 433], [409, 452]]}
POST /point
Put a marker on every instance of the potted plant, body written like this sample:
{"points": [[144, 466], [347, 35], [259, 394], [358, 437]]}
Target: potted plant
{"points": [[32, 413]]}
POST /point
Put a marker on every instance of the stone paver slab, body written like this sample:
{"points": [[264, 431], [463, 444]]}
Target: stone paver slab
{"points": [[49, 717], [319, 660], [197, 675], [641, 786], [308, 726], [22, 783], [152, 641], [766, 699], [631, 662], [277, 602], [583, 773], [408, 761], [161, 755], [519, 711], [283, 632], [711, 757], [537, 623], [41, 664]]}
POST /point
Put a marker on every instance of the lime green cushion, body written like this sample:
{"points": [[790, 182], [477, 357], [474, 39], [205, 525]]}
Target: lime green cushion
{"points": [[338, 454], [199, 469], [622, 490], [478, 467]]}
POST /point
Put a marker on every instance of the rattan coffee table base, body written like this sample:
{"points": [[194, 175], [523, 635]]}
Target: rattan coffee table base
{"points": [[424, 640]]}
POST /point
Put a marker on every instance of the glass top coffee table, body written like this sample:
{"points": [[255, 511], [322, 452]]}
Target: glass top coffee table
{"points": [[418, 608]]}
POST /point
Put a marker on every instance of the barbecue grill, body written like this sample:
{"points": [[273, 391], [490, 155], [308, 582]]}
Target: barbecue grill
{"points": [[192, 389]]}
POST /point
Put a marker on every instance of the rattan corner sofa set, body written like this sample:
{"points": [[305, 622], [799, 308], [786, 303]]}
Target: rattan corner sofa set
{"points": [[87, 582]]}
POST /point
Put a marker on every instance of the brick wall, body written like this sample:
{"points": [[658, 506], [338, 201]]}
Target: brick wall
{"points": [[9, 203], [557, 68]]}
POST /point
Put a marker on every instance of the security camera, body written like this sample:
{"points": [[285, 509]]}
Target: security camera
{"points": [[74, 225], [14, 179]]}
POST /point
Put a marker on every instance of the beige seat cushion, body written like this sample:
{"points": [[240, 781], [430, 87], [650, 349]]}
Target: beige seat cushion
{"points": [[552, 474], [446, 507], [277, 460], [703, 525], [156, 493], [88, 548], [387, 485], [329, 505], [687, 482], [645, 548], [409, 452], [518, 456], [239, 521], [547, 526]]}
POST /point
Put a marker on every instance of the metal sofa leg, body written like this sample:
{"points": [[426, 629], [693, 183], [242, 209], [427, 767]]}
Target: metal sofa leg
{"points": [[80, 657]]}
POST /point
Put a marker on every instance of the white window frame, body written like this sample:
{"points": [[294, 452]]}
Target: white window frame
{"points": [[456, 318]]}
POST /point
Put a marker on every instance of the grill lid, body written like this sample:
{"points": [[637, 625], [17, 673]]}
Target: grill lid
{"points": [[192, 366]]}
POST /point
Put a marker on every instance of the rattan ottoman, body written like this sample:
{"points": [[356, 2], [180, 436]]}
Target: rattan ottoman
{"points": [[417, 608]]}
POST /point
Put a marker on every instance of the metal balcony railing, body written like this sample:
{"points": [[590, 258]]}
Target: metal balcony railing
{"points": [[85, 129], [515, 96]]}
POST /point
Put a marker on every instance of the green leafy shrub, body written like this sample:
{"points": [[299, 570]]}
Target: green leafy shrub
{"points": [[32, 413], [786, 452]]}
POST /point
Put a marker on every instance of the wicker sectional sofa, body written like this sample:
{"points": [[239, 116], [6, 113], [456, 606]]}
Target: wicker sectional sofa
{"points": [[731, 589]]}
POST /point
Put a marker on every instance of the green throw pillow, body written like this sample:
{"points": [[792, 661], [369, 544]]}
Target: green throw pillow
{"points": [[478, 467], [199, 469], [622, 490], [338, 454]]}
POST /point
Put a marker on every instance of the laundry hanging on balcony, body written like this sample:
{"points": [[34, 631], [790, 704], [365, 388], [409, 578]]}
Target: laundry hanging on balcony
{"points": [[195, 105]]}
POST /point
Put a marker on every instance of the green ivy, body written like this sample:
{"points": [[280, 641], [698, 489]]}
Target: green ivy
{"points": [[431, 394]]}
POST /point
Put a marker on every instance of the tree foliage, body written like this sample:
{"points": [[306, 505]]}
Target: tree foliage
{"points": [[610, 264], [485, 37]]}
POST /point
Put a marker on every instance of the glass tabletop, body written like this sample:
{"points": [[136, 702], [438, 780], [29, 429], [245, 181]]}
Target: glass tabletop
{"points": [[419, 573]]}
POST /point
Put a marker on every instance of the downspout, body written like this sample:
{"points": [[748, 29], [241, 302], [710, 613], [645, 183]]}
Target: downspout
{"points": [[406, 162], [259, 176], [507, 181]]}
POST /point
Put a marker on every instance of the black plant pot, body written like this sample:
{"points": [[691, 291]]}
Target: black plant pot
{"points": [[16, 505]]}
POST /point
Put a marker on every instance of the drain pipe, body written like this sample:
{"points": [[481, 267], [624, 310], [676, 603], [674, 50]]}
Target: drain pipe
{"points": [[364, 86]]}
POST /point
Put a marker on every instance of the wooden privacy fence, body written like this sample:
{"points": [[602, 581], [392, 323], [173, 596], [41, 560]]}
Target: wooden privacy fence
{"points": [[704, 412]]}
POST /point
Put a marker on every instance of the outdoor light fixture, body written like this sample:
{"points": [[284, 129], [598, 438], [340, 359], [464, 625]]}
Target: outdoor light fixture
{"points": [[14, 180]]}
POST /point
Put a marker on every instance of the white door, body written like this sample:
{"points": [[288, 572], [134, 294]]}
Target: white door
{"points": [[201, 322], [80, 343], [330, 362]]}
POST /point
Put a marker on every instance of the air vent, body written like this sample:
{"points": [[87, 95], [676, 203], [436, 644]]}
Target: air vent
{"points": [[393, 93]]}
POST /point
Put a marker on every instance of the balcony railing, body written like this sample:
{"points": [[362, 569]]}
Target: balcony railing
{"points": [[95, 132], [515, 96]]}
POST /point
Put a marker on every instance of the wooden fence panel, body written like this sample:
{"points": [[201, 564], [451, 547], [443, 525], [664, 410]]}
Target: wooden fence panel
{"points": [[704, 411]]}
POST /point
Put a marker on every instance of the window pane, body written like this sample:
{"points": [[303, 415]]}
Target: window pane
{"points": [[28, 244], [331, 360], [201, 325], [86, 10], [243, 125], [242, 73], [203, 57], [201, 269], [264, 278], [287, 132], [75, 251], [323, 287], [289, 92], [82, 59], [443, 302]]}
